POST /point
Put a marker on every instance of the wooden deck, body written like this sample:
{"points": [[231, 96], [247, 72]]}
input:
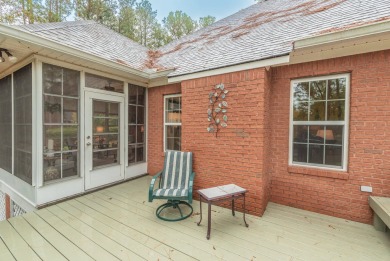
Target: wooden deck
{"points": [[118, 223]]}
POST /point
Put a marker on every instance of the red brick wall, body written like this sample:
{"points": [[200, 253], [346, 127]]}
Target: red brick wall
{"points": [[237, 154], [156, 125], [334, 193]]}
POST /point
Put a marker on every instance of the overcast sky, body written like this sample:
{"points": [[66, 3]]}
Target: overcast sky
{"points": [[199, 8]]}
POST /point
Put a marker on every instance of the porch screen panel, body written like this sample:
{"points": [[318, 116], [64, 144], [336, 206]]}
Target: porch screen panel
{"points": [[23, 123], [137, 130], [6, 123], [61, 122]]}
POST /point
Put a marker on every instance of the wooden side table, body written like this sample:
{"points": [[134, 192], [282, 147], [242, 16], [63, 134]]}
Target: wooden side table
{"points": [[219, 194]]}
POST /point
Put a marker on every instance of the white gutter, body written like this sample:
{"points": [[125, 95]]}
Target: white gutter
{"points": [[21, 35], [346, 34]]}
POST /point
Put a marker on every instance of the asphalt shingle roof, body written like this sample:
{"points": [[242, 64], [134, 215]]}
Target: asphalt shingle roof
{"points": [[93, 38], [264, 30]]}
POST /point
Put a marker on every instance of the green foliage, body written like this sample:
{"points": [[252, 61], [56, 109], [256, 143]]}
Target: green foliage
{"points": [[56, 10], [179, 24], [206, 21], [134, 19]]}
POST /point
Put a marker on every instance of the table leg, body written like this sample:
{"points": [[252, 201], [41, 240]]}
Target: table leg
{"points": [[200, 206], [246, 224], [233, 206], [209, 220]]}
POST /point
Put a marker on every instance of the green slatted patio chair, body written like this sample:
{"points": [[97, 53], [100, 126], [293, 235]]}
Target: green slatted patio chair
{"points": [[175, 184]]}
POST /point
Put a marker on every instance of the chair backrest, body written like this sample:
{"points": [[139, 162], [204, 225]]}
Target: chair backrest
{"points": [[177, 169]]}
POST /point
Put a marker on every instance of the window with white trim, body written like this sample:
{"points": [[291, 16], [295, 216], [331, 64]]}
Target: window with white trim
{"points": [[172, 122], [319, 121]]}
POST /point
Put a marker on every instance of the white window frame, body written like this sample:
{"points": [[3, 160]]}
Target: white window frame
{"points": [[169, 124], [344, 123]]}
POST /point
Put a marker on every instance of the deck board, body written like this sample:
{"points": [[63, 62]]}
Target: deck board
{"points": [[37, 242], [118, 223]]}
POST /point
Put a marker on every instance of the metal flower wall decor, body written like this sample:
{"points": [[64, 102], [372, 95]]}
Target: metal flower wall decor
{"points": [[217, 111]]}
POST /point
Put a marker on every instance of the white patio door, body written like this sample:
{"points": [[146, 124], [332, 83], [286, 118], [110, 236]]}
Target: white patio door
{"points": [[103, 139]]}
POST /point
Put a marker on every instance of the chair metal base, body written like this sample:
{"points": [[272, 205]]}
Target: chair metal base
{"points": [[176, 205]]}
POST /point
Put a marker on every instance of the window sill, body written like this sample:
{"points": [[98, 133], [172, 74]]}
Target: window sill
{"points": [[334, 174]]}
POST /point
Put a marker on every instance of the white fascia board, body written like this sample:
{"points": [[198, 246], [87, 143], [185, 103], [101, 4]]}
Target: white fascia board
{"points": [[277, 61], [36, 40], [347, 34]]}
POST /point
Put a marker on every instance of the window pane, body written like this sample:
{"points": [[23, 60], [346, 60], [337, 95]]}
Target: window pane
{"points": [[103, 83], [317, 111], [131, 155], [140, 115], [132, 134], [173, 134], [105, 125], [300, 133], [300, 152], [333, 155], [23, 123], [70, 137], [63, 137], [140, 133], [318, 90], [71, 110], [51, 166], [334, 135], [105, 141], [336, 111], [336, 88], [69, 164], [132, 114], [173, 104], [52, 109], [301, 91], [316, 134], [6, 123], [316, 154], [52, 79], [140, 153], [300, 112], [133, 94], [173, 131], [52, 138], [141, 96], [107, 157], [71, 83]]}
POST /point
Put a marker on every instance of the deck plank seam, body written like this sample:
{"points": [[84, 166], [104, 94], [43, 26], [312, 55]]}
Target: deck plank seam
{"points": [[139, 231], [9, 250]]}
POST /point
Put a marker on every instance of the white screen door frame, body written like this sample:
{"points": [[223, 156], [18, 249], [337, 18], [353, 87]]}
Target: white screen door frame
{"points": [[104, 139]]}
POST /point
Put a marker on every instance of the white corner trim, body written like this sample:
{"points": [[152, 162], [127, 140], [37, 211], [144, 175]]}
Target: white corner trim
{"points": [[347, 34], [277, 61]]}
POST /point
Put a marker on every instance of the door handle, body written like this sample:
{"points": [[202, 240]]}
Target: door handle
{"points": [[88, 144]]}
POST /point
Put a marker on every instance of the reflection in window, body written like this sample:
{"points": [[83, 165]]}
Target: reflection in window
{"points": [[318, 123], [61, 122], [23, 123], [105, 133], [136, 135], [103, 83], [172, 122]]}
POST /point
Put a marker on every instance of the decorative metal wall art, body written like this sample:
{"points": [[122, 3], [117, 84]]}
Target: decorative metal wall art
{"points": [[217, 111]]}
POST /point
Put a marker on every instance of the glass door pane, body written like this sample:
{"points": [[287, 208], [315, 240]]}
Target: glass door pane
{"points": [[106, 136]]}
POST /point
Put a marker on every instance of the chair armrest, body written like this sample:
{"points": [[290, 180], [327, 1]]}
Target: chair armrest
{"points": [[190, 187], [151, 187]]}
